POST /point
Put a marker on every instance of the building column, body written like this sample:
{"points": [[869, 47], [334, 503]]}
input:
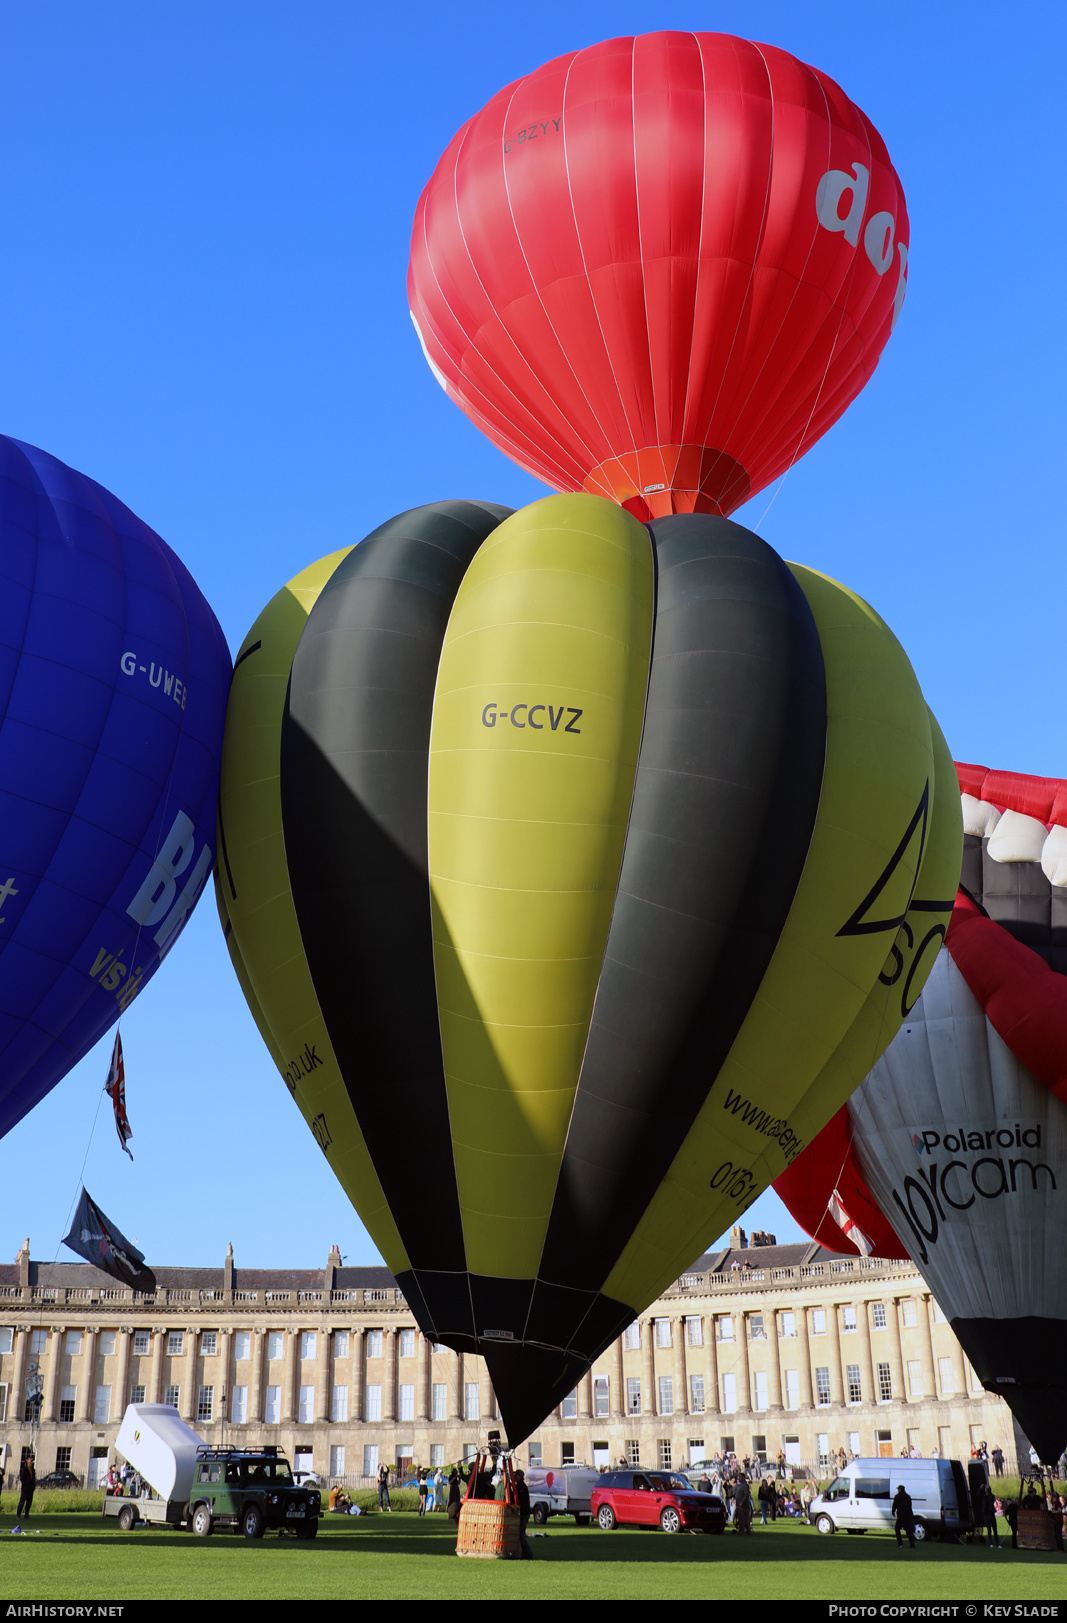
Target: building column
{"points": [[51, 1372], [896, 1355], [833, 1336], [423, 1376], [155, 1372], [744, 1378], [863, 1326], [807, 1391], [774, 1368], [486, 1395], [255, 1397], [681, 1392], [324, 1374], [648, 1376], [190, 1392], [456, 1378], [290, 1375], [389, 1378], [17, 1393], [959, 1375], [617, 1383], [119, 1393], [926, 1346], [711, 1367], [355, 1396], [585, 1396], [85, 1405]]}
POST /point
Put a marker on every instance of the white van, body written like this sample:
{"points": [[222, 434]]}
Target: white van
{"points": [[564, 1491], [860, 1500]]}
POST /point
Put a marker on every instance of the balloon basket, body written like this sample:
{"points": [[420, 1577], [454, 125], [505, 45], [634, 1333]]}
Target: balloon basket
{"points": [[1035, 1528], [490, 1529]]}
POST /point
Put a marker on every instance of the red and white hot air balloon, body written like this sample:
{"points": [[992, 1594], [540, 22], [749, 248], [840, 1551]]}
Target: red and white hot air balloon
{"points": [[660, 268]]}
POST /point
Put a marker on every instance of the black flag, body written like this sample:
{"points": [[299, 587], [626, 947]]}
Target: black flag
{"points": [[94, 1237]]}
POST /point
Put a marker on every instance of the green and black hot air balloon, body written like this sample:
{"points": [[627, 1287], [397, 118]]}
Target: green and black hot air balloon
{"points": [[575, 870]]}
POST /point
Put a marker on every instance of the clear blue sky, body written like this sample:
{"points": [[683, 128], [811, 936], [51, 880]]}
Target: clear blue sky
{"points": [[207, 215]]}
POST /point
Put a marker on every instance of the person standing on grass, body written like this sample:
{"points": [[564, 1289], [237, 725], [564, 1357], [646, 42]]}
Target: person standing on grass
{"points": [[985, 1513], [27, 1483], [383, 1488], [904, 1512], [424, 1488]]}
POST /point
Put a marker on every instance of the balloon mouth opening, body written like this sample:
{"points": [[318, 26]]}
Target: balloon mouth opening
{"points": [[663, 479]]}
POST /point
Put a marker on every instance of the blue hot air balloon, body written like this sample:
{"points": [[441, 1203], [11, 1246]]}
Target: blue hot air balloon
{"points": [[113, 681]]}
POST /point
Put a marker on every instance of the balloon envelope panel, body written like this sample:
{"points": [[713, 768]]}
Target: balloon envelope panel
{"points": [[561, 856], [113, 682], [658, 269]]}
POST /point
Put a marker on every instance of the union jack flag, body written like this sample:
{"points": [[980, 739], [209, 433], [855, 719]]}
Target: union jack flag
{"points": [[116, 1090]]}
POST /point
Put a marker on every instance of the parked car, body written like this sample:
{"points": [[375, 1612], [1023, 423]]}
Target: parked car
{"points": [[59, 1479], [651, 1498], [860, 1500]]}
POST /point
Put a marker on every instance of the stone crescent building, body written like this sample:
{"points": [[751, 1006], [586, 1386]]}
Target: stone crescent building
{"points": [[757, 1349]]}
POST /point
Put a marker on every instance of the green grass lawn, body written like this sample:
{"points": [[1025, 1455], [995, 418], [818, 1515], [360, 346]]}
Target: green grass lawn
{"points": [[397, 1557]]}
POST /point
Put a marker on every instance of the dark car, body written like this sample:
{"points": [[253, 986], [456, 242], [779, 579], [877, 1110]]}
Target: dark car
{"points": [[656, 1498], [59, 1479]]}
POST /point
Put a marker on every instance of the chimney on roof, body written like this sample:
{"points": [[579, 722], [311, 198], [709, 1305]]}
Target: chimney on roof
{"points": [[760, 1238], [738, 1239], [23, 1260], [227, 1269], [333, 1262]]}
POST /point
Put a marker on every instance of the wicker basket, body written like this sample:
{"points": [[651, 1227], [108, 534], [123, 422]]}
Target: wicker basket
{"points": [[490, 1529], [1035, 1528]]}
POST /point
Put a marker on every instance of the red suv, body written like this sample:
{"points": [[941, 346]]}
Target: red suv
{"points": [[645, 1498]]}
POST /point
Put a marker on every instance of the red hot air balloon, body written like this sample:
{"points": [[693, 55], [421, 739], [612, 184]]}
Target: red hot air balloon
{"points": [[660, 268]]}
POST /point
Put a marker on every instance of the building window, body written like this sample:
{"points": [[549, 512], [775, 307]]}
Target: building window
{"points": [[275, 1345], [63, 1459], [908, 1312], [601, 1405], [439, 1409], [374, 1343], [74, 1342], [944, 1441], [107, 1343], [756, 1331], [205, 1403], [439, 1347], [854, 1441], [631, 1337], [373, 1403], [7, 1338], [789, 1325], [175, 1342], [136, 1394], [694, 1332], [306, 1411], [726, 1327], [370, 1459], [569, 1407], [172, 1397], [726, 1445], [102, 1406], [915, 1378], [272, 1409], [696, 1394], [339, 1405], [939, 1317], [209, 1343], [407, 1402], [792, 1389], [729, 1394], [666, 1394], [633, 1451], [142, 1342], [663, 1332], [535, 1454], [944, 1376], [239, 1405], [822, 1385], [67, 1400], [633, 1394], [407, 1343], [885, 1384], [878, 1315], [759, 1380], [663, 1451], [340, 1344], [242, 1344], [848, 1317], [38, 1341], [822, 1444], [309, 1344], [818, 1321], [3, 1401], [852, 1381], [437, 1456], [566, 1453], [472, 1407], [337, 1459]]}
